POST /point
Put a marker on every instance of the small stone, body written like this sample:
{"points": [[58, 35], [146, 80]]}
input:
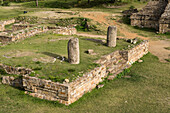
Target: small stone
{"points": [[127, 76], [90, 51], [134, 41], [26, 92], [67, 80], [140, 61], [100, 86]]}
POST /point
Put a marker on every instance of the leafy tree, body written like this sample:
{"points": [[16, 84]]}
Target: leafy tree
{"points": [[36, 1]]}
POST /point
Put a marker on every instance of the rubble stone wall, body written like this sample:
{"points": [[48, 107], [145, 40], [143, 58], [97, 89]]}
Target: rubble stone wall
{"points": [[31, 31], [17, 27], [21, 34], [68, 93], [135, 53], [46, 89], [63, 30], [6, 22]]}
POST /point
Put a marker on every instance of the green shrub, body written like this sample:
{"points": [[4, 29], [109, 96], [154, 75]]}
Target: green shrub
{"points": [[2, 71], [131, 7], [6, 3]]}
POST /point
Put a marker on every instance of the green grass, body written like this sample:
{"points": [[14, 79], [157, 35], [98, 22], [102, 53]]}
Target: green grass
{"points": [[147, 91], [8, 13], [168, 60], [168, 48], [41, 46]]}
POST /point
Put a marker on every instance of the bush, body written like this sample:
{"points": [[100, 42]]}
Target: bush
{"points": [[6, 3], [132, 7]]}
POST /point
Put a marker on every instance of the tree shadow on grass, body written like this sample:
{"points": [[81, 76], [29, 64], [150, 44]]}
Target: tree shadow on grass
{"points": [[56, 56], [95, 40]]}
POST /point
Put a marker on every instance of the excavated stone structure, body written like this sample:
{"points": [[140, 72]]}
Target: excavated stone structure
{"points": [[156, 14], [164, 22]]}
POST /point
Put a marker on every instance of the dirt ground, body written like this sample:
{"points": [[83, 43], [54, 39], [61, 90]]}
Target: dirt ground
{"points": [[156, 47]]}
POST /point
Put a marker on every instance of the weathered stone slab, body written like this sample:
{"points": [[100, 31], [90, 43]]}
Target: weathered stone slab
{"points": [[73, 51], [111, 36]]}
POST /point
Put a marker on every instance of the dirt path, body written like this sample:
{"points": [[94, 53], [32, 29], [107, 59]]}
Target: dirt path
{"points": [[156, 47]]}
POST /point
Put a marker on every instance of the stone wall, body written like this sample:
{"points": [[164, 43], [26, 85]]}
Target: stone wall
{"points": [[135, 53], [21, 34], [164, 22], [15, 70], [17, 27], [45, 89], [31, 31], [150, 15], [63, 30], [86, 83], [68, 93], [6, 22]]}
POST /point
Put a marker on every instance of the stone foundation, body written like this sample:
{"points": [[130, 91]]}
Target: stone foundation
{"points": [[31, 31], [21, 34], [7, 22], [63, 30], [17, 27], [68, 93]]}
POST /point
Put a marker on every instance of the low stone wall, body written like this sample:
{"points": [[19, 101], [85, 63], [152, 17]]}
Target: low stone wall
{"points": [[86, 83], [63, 30], [15, 70], [15, 82], [135, 53], [6, 22], [31, 31], [17, 27], [45, 89], [21, 34], [68, 93]]}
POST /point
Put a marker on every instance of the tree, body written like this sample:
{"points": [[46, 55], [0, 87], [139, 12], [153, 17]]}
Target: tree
{"points": [[36, 1], [88, 1], [2, 1]]}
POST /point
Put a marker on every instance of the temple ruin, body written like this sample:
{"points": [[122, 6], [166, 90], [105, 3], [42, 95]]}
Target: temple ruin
{"points": [[156, 14]]}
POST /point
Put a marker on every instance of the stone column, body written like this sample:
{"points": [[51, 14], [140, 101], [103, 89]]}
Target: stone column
{"points": [[73, 51], [111, 36]]}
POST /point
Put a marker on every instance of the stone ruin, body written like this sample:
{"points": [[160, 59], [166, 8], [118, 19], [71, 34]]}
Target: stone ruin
{"points": [[69, 92], [156, 14], [111, 36], [7, 22], [25, 30], [73, 51]]}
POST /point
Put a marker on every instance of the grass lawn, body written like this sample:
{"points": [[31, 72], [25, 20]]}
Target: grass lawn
{"points": [[6, 13], [47, 47], [147, 91]]}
